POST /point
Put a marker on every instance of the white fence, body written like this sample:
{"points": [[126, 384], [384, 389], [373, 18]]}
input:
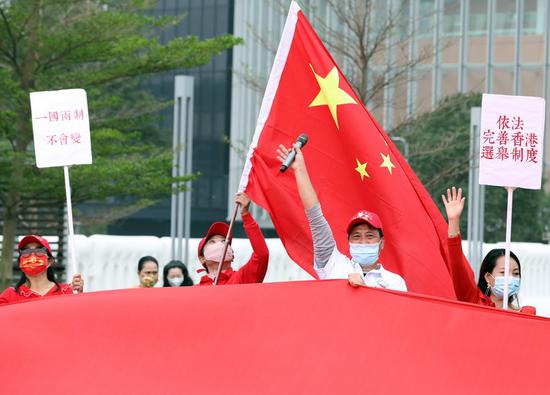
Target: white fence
{"points": [[110, 262]]}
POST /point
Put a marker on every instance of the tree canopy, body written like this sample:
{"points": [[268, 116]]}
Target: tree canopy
{"points": [[107, 48]]}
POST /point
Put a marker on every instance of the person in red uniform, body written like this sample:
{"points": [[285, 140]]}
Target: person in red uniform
{"points": [[211, 247], [489, 289], [37, 276]]}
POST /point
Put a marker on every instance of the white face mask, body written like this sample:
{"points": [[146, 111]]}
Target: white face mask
{"points": [[175, 281]]}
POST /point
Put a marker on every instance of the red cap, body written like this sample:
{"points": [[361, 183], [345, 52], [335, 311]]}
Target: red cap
{"points": [[217, 228], [34, 239], [362, 217]]}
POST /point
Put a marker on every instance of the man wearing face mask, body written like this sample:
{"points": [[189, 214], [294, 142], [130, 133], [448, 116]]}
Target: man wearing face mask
{"points": [[211, 248], [365, 237], [37, 276]]}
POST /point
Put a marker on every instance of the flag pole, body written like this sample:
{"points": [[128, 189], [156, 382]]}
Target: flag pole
{"points": [[226, 244], [70, 226], [507, 247]]}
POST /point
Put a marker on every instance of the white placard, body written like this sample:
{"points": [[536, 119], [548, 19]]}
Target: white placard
{"points": [[511, 141], [61, 128]]}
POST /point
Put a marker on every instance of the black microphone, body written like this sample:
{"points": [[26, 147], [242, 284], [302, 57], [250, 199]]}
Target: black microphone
{"points": [[302, 140]]}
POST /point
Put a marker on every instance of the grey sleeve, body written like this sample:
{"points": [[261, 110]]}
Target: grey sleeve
{"points": [[323, 240]]}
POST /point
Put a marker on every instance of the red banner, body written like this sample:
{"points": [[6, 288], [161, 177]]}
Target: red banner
{"points": [[314, 337]]}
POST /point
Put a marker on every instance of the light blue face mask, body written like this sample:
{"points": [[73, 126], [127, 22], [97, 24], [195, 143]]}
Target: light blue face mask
{"points": [[513, 286], [364, 254]]}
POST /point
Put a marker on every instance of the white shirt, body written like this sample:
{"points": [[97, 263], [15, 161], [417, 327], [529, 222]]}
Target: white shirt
{"points": [[339, 266]]}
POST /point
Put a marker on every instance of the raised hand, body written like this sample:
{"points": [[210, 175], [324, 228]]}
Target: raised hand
{"points": [[243, 200], [454, 205], [298, 163], [305, 187]]}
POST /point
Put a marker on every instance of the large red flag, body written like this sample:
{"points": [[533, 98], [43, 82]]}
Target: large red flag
{"points": [[352, 163]]}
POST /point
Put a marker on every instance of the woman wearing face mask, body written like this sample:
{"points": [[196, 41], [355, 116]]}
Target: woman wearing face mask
{"points": [[211, 249], [175, 274], [37, 276], [148, 272], [489, 290], [365, 238]]}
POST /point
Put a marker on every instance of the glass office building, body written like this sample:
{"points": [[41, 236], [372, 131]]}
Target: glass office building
{"points": [[212, 89]]}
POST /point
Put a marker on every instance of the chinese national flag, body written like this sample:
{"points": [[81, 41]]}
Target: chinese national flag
{"points": [[352, 163]]}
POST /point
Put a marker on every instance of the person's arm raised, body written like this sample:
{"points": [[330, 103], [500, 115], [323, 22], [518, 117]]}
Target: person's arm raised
{"points": [[462, 274], [323, 240], [255, 269], [305, 187]]}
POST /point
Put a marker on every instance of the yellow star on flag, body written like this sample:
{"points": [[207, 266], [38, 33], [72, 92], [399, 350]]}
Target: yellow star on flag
{"points": [[387, 163], [330, 93], [361, 169]]}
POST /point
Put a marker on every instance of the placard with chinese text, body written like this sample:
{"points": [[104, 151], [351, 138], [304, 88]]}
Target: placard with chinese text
{"points": [[511, 141], [61, 128]]}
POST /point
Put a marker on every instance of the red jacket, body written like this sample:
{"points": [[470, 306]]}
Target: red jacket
{"points": [[464, 281], [11, 296], [255, 269]]}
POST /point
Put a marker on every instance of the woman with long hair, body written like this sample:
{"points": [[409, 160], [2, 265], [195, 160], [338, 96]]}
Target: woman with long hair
{"points": [[489, 291], [175, 274], [37, 276]]}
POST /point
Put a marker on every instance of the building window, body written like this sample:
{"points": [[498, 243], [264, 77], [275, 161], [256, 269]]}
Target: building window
{"points": [[533, 16], [426, 13], [478, 17], [505, 17], [451, 17]]}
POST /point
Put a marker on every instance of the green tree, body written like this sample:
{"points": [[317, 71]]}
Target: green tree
{"points": [[105, 47], [439, 154]]}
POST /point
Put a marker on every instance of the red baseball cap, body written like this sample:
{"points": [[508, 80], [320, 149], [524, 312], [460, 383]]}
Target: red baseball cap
{"points": [[362, 217], [217, 228], [34, 239]]}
